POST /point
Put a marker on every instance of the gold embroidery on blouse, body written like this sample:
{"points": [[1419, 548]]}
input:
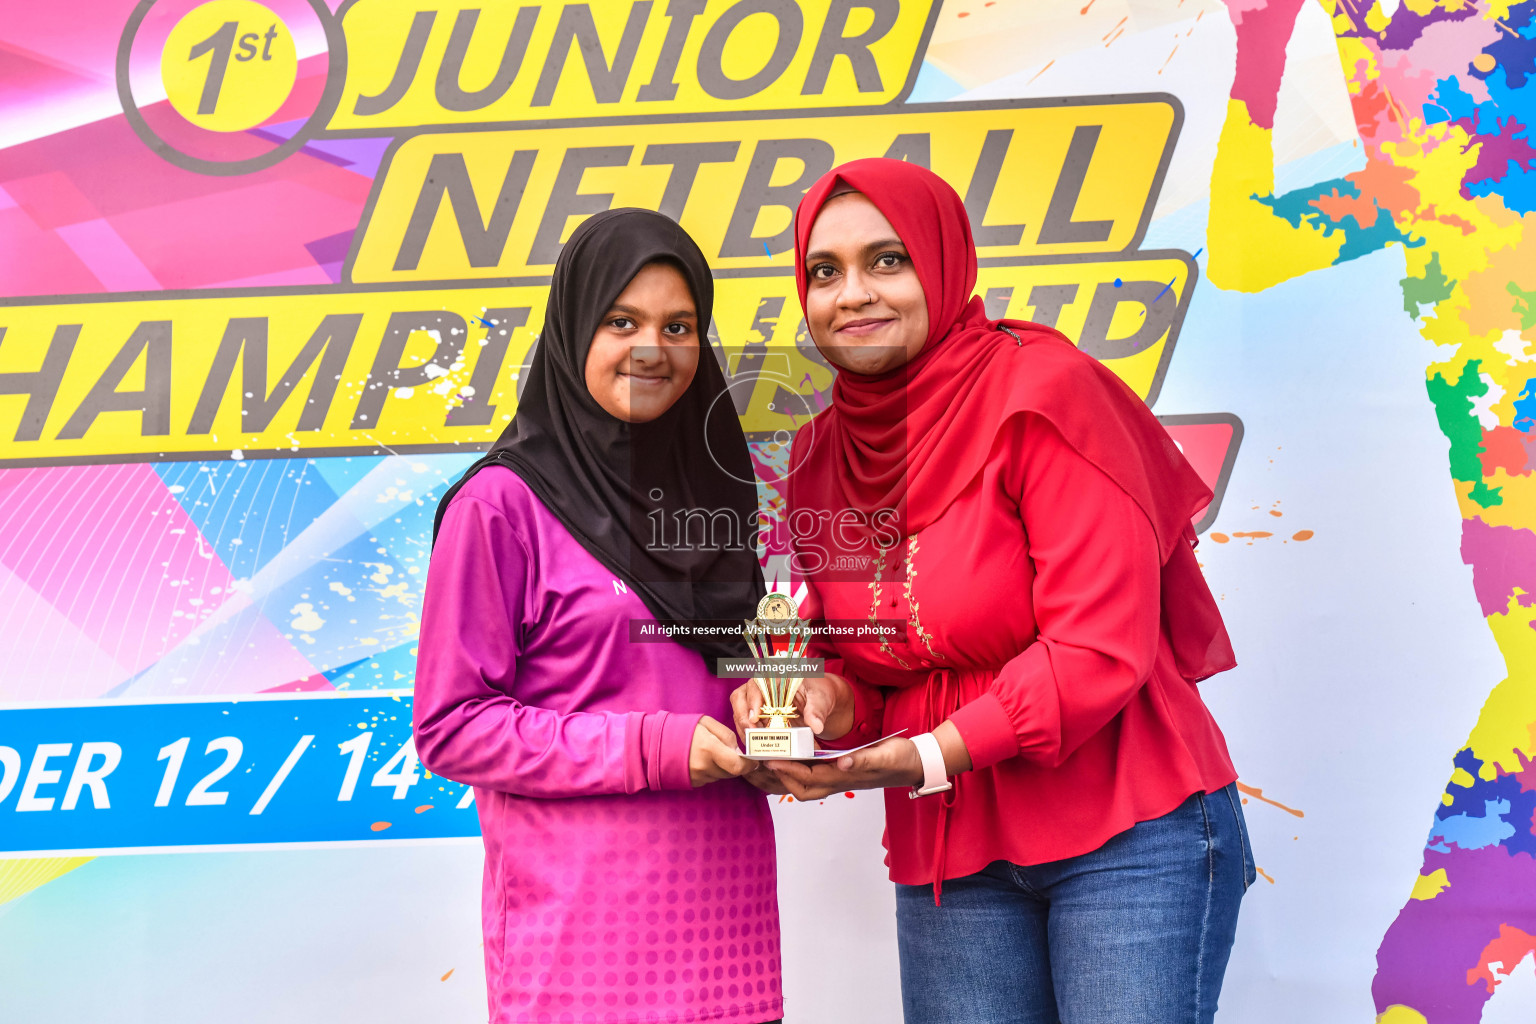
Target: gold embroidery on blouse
{"points": [[874, 604], [912, 615]]}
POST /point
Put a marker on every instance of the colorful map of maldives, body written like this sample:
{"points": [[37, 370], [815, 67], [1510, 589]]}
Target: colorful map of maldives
{"points": [[1444, 100]]}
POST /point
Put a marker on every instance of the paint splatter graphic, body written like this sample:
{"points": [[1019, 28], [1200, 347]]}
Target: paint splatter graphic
{"points": [[1443, 101]]}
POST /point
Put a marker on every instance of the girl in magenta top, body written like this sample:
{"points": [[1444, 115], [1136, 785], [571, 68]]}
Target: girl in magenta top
{"points": [[629, 874]]}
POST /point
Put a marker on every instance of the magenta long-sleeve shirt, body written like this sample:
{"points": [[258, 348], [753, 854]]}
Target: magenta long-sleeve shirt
{"points": [[613, 891]]}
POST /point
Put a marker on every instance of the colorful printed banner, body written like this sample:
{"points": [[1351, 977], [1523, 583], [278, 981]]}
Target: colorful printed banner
{"points": [[274, 770], [269, 276], [330, 371], [413, 63], [1081, 176]]}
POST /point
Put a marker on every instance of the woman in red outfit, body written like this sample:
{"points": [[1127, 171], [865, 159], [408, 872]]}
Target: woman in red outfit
{"points": [[1062, 822]]}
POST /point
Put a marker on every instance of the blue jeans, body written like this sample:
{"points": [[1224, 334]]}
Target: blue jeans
{"points": [[1136, 932]]}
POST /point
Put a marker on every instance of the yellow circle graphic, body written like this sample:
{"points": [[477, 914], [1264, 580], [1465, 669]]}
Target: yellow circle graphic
{"points": [[229, 65]]}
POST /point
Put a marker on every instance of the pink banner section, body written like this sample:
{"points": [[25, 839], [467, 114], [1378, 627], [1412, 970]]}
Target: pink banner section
{"points": [[110, 575]]}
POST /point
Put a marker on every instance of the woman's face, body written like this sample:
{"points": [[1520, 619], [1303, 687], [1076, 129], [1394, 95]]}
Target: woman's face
{"points": [[646, 350], [864, 304]]}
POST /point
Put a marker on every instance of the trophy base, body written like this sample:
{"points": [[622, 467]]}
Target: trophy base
{"points": [[796, 741]]}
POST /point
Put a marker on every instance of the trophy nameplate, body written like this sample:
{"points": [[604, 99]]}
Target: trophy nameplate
{"points": [[777, 617]]}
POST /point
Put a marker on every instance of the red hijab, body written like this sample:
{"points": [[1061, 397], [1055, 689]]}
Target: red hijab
{"points": [[913, 438]]}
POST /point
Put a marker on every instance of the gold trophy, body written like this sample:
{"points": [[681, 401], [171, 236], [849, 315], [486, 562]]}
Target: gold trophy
{"points": [[777, 616]]}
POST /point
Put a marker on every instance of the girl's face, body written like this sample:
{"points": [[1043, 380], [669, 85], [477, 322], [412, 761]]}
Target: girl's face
{"points": [[646, 350], [864, 304]]}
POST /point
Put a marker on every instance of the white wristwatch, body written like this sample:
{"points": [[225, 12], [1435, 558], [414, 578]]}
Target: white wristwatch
{"points": [[934, 779]]}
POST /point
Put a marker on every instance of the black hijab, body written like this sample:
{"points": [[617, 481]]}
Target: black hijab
{"points": [[610, 482]]}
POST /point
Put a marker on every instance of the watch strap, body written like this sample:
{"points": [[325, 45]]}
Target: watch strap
{"points": [[934, 778]]}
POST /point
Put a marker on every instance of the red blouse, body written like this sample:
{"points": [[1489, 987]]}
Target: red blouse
{"points": [[1034, 624]]}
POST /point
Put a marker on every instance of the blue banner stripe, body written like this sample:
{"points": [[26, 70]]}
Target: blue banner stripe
{"points": [[291, 769]]}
